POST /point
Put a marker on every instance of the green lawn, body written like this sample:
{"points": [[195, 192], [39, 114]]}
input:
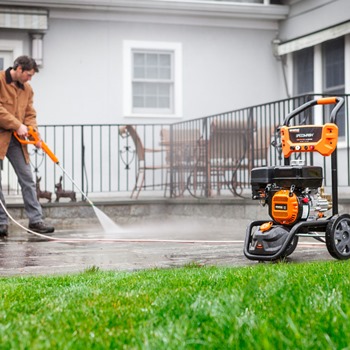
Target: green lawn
{"points": [[265, 306]]}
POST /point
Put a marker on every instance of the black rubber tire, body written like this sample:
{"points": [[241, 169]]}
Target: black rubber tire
{"points": [[293, 244], [290, 249], [338, 237]]}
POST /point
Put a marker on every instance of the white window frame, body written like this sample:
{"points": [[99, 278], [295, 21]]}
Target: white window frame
{"points": [[15, 47], [128, 47]]}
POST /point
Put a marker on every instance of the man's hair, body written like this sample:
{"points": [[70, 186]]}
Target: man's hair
{"points": [[26, 62]]}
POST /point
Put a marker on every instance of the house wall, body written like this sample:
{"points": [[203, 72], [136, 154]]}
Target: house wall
{"points": [[224, 68]]}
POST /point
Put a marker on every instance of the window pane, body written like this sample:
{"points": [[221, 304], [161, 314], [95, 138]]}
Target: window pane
{"points": [[303, 71], [139, 72], [152, 59], [151, 102], [333, 56], [164, 89], [138, 88], [139, 65], [152, 73], [138, 102], [164, 73], [333, 76], [150, 89], [164, 60], [164, 102], [139, 59]]}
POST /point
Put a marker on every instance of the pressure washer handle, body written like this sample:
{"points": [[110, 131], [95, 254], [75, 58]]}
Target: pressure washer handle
{"points": [[33, 139], [339, 101]]}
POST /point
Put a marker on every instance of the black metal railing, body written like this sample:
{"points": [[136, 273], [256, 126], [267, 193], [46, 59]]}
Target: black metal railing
{"points": [[200, 157]]}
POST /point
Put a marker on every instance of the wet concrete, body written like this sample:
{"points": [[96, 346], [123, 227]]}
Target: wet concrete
{"points": [[24, 254]]}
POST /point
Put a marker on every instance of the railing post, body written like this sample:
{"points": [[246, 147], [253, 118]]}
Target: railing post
{"points": [[82, 161], [172, 168], [207, 160]]}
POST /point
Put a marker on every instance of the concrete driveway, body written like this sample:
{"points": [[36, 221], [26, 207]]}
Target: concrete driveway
{"points": [[24, 254]]}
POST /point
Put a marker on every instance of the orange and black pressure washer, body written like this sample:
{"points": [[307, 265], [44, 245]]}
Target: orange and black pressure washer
{"points": [[293, 193]]}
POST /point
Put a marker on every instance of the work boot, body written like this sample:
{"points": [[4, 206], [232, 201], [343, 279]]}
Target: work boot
{"points": [[40, 227], [3, 230]]}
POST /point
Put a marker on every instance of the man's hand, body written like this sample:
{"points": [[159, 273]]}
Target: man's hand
{"points": [[22, 131]]}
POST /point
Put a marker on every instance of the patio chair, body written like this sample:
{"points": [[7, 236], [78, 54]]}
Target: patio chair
{"points": [[141, 155], [180, 147], [258, 153], [229, 154]]}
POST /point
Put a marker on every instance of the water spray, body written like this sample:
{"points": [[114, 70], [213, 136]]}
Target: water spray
{"points": [[120, 240]]}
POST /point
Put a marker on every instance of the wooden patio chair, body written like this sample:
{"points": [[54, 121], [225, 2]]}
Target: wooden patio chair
{"points": [[142, 164], [180, 148], [235, 148], [229, 146], [258, 152]]}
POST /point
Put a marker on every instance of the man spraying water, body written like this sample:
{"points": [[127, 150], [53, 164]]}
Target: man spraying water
{"points": [[16, 114]]}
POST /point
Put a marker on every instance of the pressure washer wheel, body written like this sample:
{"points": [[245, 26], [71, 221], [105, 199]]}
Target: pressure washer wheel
{"points": [[292, 245], [338, 237]]}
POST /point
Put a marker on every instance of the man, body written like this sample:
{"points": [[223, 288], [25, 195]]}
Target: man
{"points": [[16, 113]]}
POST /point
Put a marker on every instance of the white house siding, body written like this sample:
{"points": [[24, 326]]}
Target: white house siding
{"points": [[227, 58], [82, 77]]}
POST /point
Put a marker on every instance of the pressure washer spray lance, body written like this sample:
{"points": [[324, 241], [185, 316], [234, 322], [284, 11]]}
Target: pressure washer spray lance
{"points": [[34, 138]]}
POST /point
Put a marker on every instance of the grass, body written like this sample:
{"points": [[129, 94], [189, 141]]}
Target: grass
{"points": [[265, 306]]}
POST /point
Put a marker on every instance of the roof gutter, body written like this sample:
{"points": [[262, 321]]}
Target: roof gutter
{"points": [[169, 7]]}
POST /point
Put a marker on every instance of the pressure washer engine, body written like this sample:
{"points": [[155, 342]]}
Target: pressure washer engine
{"points": [[293, 194]]}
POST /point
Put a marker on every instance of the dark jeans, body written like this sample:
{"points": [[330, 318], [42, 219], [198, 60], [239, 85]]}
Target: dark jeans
{"points": [[25, 179]]}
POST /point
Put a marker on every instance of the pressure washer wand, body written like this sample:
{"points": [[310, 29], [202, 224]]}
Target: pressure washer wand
{"points": [[33, 139]]}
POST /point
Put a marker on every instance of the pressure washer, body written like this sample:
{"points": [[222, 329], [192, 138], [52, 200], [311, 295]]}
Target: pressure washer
{"points": [[293, 193]]}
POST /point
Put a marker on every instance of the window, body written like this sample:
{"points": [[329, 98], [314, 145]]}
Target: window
{"points": [[334, 75], [9, 50], [303, 61], [152, 79], [333, 65]]}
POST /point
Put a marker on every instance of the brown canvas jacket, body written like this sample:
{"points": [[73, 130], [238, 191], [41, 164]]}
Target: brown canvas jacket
{"points": [[16, 108]]}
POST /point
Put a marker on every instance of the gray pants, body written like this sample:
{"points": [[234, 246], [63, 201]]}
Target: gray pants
{"points": [[25, 179]]}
